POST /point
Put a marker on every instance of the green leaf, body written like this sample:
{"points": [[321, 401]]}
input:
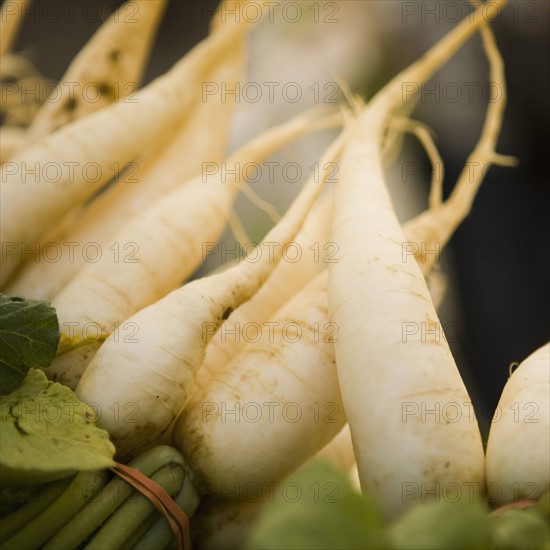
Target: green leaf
{"points": [[29, 336], [520, 530], [442, 525], [318, 508], [46, 433]]}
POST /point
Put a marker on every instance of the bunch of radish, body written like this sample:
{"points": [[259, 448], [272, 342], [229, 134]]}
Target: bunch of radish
{"points": [[178, 369]]}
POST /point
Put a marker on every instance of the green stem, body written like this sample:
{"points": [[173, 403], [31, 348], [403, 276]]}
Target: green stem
{"points": [[140, 532], [25, 514], [14, 496], [67, 344], [110, 498], [160, 535], [132, 513], [53, 518]]}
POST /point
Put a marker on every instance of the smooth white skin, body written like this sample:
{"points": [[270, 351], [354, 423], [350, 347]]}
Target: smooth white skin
{"points": [[339, 450], [155, 174], [287, 279], [431, 229], [285, 391], [518, 448], [154, 372], [380, 372], [168, 241], [374, 294], [115, 134], [205, 435], [146, 379]]}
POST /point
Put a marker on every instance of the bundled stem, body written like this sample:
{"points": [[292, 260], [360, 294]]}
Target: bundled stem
{"points": [[115, 494], [81, 490], [19, 519]]}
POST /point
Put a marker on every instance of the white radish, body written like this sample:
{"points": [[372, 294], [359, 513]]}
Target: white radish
{"points": [[317, 251], [12, 14], [433, 228], [376, 294], [111, 63], [287, 279], [169, 240], [178, 157], [281, 395], [156, 371], [289, 363], [188, 212], [518, 448], [113, 136]]}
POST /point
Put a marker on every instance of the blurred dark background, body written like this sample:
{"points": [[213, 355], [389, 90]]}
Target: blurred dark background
{"points": [[499, 258]]}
